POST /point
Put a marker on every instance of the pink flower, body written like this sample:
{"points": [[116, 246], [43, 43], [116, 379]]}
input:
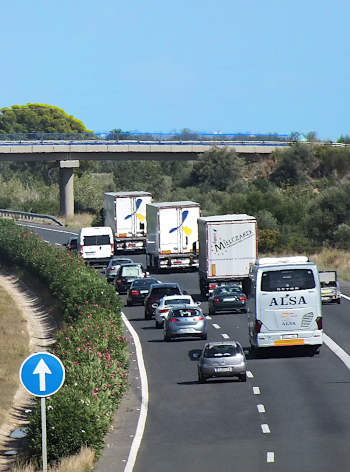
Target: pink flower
{"points": [[86, 302]]}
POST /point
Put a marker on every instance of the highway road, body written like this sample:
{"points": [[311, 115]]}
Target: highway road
{"points": [[293, 413]]}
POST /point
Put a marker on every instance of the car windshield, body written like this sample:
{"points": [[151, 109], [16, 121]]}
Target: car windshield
{"points": [[133, 271], [97, 240], [185, 312], [289, 279], [162, 291], [221, 351], [178, 301], [228, 290]]}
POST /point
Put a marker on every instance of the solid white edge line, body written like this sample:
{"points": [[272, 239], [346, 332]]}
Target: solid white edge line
{"points": [[270, 457], [144, 398], [48, 229], [345, 296], [338, 351]]}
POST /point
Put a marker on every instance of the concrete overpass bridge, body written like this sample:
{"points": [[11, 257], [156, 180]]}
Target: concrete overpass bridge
{"points": [[68, 153]]}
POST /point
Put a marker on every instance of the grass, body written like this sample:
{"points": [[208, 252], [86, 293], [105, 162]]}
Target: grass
{"points": [[79, 220], [335, 259], [82, 462], [14, 348]]}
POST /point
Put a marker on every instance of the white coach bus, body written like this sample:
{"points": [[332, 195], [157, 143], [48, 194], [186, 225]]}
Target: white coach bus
{"points": [[284, 303]]}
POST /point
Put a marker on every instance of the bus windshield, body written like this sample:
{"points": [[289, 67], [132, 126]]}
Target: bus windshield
{"points": [[287, 280]]}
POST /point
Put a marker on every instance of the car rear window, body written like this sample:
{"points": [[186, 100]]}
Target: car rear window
{"points": [[228, 290], [221, 351], [133, 271], [97, 240], [162, 291], [289, 279], [143, 282], [178, 301], [184, 312]]}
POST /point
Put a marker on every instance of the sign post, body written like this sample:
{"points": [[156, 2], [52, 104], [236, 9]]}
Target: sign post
{"points": [[42, 374]]}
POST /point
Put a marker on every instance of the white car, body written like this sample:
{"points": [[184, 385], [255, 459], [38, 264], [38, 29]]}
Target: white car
{"points": [[165, 303]]}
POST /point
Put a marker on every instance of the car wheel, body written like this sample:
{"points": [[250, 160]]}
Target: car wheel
{"points": [[147, 316], [243, 377], [201, 378], [211, 312], [244, 310], [128, 303], [338, 301], [204, 336], [158, 325], [167, 338]]}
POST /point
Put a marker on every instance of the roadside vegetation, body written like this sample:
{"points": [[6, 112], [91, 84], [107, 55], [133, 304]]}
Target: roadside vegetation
{"points": [[14, 347], [91, 345]]}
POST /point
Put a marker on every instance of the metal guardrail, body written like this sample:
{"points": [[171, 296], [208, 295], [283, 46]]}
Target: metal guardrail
{"points": [[28, 216]]}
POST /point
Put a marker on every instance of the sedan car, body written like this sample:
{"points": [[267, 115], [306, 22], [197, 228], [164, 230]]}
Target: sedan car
{"points": [[113, 266], [139, 290], [126, 274], [227, 298], [222, 359], [184, 321], [162, 309], [157, 292]]}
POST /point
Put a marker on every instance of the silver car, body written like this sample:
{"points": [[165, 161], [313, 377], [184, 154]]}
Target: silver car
{"points": [[185, 320], [222, 359]]}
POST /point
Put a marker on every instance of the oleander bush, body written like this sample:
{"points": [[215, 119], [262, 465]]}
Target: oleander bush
{"points": [[91, 346]]}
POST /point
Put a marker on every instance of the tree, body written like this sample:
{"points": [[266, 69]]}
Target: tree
{"points": [[36, 118], [217, 168]]}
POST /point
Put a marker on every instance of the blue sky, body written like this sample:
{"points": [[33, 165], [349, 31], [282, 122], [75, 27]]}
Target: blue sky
{"points": [[250, 66]]}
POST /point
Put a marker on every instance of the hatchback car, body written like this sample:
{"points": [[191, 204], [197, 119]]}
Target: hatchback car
{"points": [[184, 321], [126, 274], [227, 298], [157, 292], [139, 290], [113, 266], [222, 359], [162, 309]]}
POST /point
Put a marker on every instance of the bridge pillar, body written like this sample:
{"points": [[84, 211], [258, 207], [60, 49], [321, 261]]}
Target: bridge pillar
{"points": [[66, 188]]}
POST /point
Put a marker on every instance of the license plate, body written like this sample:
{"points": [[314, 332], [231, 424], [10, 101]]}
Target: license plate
{"points": [[223, 369], [185, 330], [289, 336], [143, 291], [288, 342], [229, 299]]}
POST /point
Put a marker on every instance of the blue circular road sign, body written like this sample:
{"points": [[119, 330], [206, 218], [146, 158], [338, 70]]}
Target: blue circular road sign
{"points": [[42, 374]]}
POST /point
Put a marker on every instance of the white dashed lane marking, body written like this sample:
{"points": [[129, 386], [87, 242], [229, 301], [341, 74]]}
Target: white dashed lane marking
{"points": [[256, 390], [225, 336], [261, 408], [265, 428], [216, 326], [270, 457], [249, 374]]}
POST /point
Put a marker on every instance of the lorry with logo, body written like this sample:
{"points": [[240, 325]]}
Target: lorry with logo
{"points": [[172, 235], [330, 291], [95, 244], [284, 303], [227, 248], [125, 213]]}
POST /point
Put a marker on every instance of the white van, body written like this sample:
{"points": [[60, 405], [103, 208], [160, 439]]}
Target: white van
{"points": [[284, 303], [96, 245]]}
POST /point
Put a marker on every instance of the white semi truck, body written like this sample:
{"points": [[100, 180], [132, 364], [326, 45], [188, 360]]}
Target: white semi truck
{"points": [[125, 213], [172, 235], [228, 246]]}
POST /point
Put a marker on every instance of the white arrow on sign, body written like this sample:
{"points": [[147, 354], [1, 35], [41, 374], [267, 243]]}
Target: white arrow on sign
{"points": [[42, 369]]}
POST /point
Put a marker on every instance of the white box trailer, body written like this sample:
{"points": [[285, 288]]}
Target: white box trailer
{"points": [[172, 236], [125, 213], [330, 291], [228, 246]]}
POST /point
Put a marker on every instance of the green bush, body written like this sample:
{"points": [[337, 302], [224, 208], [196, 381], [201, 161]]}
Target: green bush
{"points": [[91, 346]]}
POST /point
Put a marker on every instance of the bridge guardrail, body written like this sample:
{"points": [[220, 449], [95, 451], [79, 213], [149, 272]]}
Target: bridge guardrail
{"points": [[28, 216]]}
